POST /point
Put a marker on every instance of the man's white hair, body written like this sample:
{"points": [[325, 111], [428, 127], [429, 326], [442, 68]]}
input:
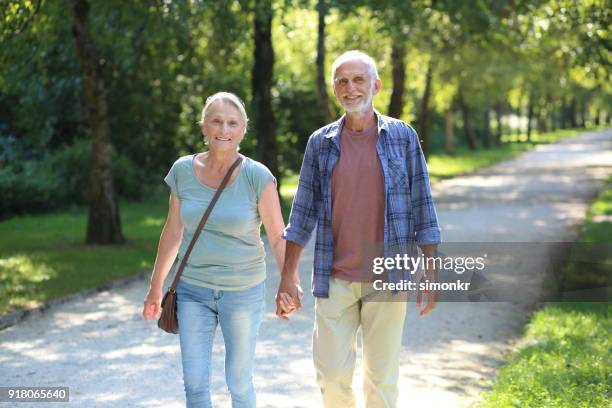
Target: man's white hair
{"points": [[355, 55]]}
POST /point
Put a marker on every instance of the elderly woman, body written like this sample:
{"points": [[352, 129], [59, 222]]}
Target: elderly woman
{"points": [[224, 280]]}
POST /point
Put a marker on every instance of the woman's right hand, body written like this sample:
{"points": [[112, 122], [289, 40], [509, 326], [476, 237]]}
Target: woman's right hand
{"points": [[152, 305], [169, 242]]}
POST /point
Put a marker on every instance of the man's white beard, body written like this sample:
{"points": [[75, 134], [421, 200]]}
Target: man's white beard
{"points": [[361, 106]]}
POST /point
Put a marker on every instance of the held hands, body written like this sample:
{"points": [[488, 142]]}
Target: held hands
{"points": [[152, 305], [432, 295], [288, 297]]}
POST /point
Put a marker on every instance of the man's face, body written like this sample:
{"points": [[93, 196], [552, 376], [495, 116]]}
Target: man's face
{"points": [[354, 87]]}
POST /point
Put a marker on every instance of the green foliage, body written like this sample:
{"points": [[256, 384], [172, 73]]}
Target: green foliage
{"points": [[297, 125], [160, 60], [28, 190], [39, 87], [59, 179]]}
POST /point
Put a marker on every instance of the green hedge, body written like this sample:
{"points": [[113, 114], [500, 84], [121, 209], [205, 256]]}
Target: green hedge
{"points": [[59, 180]]}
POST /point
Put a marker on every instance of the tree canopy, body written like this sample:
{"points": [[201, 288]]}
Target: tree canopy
{"points": [[546, 61]]}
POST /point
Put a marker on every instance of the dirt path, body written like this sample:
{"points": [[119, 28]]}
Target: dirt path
{"points": [[109, 357]]}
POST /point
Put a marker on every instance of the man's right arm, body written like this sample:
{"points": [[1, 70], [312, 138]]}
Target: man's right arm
{"points": [[293, 253], [302, 221], [308, 198]]}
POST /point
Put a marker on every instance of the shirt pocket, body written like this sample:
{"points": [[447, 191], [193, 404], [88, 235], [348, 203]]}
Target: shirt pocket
{"points": [[399, 202], [398, 175]]}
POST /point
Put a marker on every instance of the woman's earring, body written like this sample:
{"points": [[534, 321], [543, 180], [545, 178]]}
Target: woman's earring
{"points": [[205, 140]]}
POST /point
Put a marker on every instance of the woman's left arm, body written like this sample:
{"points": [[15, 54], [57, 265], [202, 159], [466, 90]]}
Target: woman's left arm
{"points": [[270, 212]]}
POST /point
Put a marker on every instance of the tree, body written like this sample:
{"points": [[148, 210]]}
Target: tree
{"points": [[468, 131], [322, 97], [449, 132], [103, 224], [262, 79], [395, 18], [424, 112], [398, 75]]}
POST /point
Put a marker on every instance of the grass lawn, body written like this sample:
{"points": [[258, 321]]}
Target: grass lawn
{"points": [[567, 357], [43, 257], [566, 362]]}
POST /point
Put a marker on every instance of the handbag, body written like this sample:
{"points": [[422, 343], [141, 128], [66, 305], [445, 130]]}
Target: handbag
{"points": [[168, 320]]}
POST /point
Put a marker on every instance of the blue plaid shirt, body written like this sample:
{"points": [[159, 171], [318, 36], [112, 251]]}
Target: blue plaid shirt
{"points": [[410, 215]]}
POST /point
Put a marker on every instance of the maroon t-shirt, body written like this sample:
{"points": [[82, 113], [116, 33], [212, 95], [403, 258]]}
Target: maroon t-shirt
{"points": [[358, 206]]}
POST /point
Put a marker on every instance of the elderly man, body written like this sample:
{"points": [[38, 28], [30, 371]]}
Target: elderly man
{"points": [[364, 185]]}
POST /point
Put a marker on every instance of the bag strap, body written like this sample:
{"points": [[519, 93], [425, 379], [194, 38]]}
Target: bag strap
{"points": [[214, 200]]}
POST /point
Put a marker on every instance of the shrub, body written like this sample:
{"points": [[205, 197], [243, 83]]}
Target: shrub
{"points": [[59, 179]]}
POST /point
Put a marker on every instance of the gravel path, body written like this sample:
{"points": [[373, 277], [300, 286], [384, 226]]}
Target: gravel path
{"points": [[101, 348]]}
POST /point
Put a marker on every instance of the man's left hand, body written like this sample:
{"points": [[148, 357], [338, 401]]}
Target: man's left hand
{"points": [[431, 295]]}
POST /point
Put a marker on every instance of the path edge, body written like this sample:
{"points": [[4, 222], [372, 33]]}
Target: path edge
{"points": [[19, 315]]}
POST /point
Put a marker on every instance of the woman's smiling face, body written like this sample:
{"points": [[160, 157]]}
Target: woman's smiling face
{"points": [[223, 127]]}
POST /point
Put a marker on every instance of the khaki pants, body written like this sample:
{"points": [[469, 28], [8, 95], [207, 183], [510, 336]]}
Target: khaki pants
{"points": [[337, 319]]}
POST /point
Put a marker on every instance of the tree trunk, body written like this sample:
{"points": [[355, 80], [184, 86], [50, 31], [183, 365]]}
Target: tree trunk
{"points": [[104, 222], [486, 129], [584, 113], [424, 115], [468, 133], [572, 113], [519, 114], [541, 122], [322, 98], [597, 117], [498, 118], [529, 116], [263, 68], [550, 114], [398, 73], [563, 114], [449, 133]]}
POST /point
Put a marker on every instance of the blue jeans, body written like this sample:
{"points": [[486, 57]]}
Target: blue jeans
{"points": [[239, 313]]}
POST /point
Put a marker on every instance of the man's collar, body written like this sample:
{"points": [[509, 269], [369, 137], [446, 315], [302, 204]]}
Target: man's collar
{"points": [[336, 127], [382, 123]]}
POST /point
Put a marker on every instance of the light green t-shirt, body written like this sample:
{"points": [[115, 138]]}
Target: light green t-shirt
{"points": [[229, 253]]}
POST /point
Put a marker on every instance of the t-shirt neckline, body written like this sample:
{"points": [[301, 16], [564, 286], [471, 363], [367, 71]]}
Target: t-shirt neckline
{"points": [[200, 182], [364, 132]]}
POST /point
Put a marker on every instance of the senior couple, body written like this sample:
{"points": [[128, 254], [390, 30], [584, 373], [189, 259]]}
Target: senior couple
{"points": [[363, 183]]}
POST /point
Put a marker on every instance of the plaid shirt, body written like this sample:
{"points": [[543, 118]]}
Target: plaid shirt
{"points": [[410, 215]]}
